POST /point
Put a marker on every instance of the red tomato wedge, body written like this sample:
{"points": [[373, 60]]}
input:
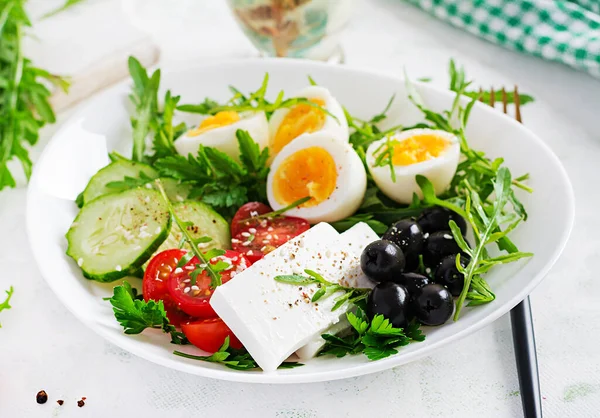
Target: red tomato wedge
{"points": [[209, 334], [193, 299], [266, 235], [242, 220], [154, 285]]}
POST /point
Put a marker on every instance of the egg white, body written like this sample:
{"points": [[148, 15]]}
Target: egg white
{"points": [[350, 186], [338, 129], [223, 138], [439, 170]]}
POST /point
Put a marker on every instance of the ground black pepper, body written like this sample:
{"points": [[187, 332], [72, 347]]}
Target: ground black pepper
{"points": [[60, 402], [80, 403], [41, 397]]}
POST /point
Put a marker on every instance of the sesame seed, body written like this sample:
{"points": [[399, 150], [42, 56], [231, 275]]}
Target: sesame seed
{"points": [[235, 241], [266, 241], [263, 248], [186, 280], [252, 231], [148, 186], [147, 199], [276, 236], [186, 290], [118, 268], [246, 234], [254, 213], [447, 236], [246, 243], [270, 229], [178, 270], [203, 244], [157, 230], [269, 236], [250, 252], [194, 287], [202, 266], [80, 262]]}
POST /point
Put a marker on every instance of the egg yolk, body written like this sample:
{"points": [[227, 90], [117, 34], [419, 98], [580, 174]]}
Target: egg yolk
{"points": [[302, 118], [308, 172], [417, 149], [216, 121]]}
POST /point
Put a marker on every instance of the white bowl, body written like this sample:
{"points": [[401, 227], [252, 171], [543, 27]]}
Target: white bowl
{"points": [[79, 149]]}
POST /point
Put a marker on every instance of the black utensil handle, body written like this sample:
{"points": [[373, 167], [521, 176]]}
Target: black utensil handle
{"points": [[525, 354]]}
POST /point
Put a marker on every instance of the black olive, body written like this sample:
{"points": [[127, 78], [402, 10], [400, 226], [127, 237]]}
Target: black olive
{"points": [[407, 235], [440, 244], [448, 275], [433, 304], [411, 262], [412, 282], [382, 260], [390, 300], [437, 218]]}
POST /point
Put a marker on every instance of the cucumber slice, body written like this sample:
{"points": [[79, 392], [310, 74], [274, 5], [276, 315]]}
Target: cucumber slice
{"points": [[114, 172], [175, 190], [206, 222], [114, 235]]}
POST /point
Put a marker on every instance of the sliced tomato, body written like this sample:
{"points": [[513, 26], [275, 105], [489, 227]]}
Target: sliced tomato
{"points": [[209, 334], [194, 299], [266, 235], [242, 219], [154, 285]]}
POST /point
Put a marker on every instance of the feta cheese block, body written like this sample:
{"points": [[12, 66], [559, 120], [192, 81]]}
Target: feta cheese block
{"points": [[274, 319], [355, 239]]}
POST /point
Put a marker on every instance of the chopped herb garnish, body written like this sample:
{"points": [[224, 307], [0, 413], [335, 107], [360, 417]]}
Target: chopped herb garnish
{"points": [[6, 304]]}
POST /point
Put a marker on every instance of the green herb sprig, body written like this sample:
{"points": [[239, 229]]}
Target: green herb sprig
{"points": [[204, 265], [24, 95], [136, 315], [234, 359], [6, 304], [376, 339], [254, 102], [217, 179], [326, 288]]}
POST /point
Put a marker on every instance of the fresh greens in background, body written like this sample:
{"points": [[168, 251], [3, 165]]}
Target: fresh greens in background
{"points": [[24, 106], [67, 5], [6, 304]]}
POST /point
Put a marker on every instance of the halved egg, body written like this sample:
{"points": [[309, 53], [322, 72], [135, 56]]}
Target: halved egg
{"points": [[218, 131], [286, 124], [431, 153], [322, 167]]}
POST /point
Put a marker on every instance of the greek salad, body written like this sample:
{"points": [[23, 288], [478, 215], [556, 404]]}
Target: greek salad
{"points": [[271, 232]]}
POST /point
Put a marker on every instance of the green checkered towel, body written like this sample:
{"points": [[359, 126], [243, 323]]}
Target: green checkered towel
{"points": [[563, 31]]}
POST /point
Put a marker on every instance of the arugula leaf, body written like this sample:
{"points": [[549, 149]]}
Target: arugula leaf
{"points": [[325, 288], [67, 5], [144, 98], [24, 97], [232, 358], [217, 179], [136, 315], [6, 305]]}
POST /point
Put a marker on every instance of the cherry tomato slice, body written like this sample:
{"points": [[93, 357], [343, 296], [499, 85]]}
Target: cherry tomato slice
{"points": [[209, 334], [267, 235], [155, 281], [194, 299], [242, 220]]}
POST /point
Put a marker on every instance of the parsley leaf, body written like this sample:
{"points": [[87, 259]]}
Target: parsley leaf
{"points": [[6, 305], [232, 358], [136, 315], [376, 339]]}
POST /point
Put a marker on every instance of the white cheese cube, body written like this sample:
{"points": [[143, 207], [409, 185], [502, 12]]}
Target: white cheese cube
{"points": [[274, 319], [354, 240]]}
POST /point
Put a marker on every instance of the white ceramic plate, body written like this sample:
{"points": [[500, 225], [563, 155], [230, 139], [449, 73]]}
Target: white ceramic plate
{"points": [[80, 148]]}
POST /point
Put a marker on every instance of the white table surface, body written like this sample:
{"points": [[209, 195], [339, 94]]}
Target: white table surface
{"points": [[43, 346]]}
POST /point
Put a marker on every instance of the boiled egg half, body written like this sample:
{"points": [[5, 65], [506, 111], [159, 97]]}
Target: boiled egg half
{"points": [[219, 130], [431, 153], [319, 166], [287, 124]]}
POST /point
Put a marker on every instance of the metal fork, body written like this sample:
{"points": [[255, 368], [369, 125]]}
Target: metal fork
{"points": [[521, 318]]}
